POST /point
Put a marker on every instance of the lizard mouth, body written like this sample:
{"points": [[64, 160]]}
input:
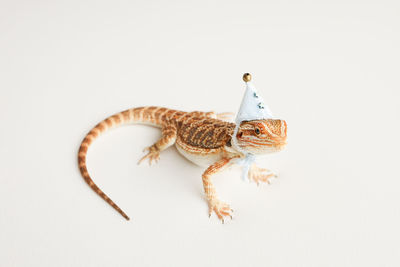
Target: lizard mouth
{"points": [[283, 143], [280, 145]]}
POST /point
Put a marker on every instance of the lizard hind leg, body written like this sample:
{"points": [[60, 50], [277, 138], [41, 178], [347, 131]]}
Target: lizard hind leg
{"points": [[168, 138], [224, 116], [153, 154]]}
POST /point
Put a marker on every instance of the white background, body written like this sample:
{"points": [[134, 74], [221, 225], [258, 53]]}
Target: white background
{"points": [[330, 68]]}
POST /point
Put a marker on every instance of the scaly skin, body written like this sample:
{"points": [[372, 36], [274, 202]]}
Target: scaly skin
{"points": [[202, 137]]}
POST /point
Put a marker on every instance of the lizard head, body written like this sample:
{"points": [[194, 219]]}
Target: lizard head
{"points": [[262, 136]]}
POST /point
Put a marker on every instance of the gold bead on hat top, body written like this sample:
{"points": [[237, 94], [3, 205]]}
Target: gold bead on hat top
{"points": [[247, 77]]}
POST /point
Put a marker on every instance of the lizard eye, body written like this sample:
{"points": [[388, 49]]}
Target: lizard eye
{"points": [[257, 130]]}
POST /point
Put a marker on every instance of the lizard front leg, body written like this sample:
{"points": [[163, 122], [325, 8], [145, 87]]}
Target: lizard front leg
{"points": [[257, 174], [220, 208], [169, 133]]}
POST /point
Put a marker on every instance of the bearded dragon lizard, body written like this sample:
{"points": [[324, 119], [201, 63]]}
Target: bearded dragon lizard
{"points": [[202, 137]]}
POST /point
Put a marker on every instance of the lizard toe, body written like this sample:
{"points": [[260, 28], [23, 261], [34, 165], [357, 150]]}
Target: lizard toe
{"points": [[153, 155], [221, 209]]}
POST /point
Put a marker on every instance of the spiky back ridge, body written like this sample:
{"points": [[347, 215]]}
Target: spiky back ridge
{"points": [[195, 128]]}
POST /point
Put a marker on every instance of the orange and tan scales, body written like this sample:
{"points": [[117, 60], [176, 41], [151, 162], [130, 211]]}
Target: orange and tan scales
{"points": [[202, 137]]}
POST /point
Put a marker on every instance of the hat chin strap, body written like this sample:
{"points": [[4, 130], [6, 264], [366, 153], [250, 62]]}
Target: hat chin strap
{"points": [[249, 158]]}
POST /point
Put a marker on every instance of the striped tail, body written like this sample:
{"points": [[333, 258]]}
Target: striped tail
{"points": [[147, 115]]}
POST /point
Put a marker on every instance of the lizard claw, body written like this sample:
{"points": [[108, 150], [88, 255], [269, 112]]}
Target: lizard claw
{"points": [[153, 155], [221, 209], [258, 175]]}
